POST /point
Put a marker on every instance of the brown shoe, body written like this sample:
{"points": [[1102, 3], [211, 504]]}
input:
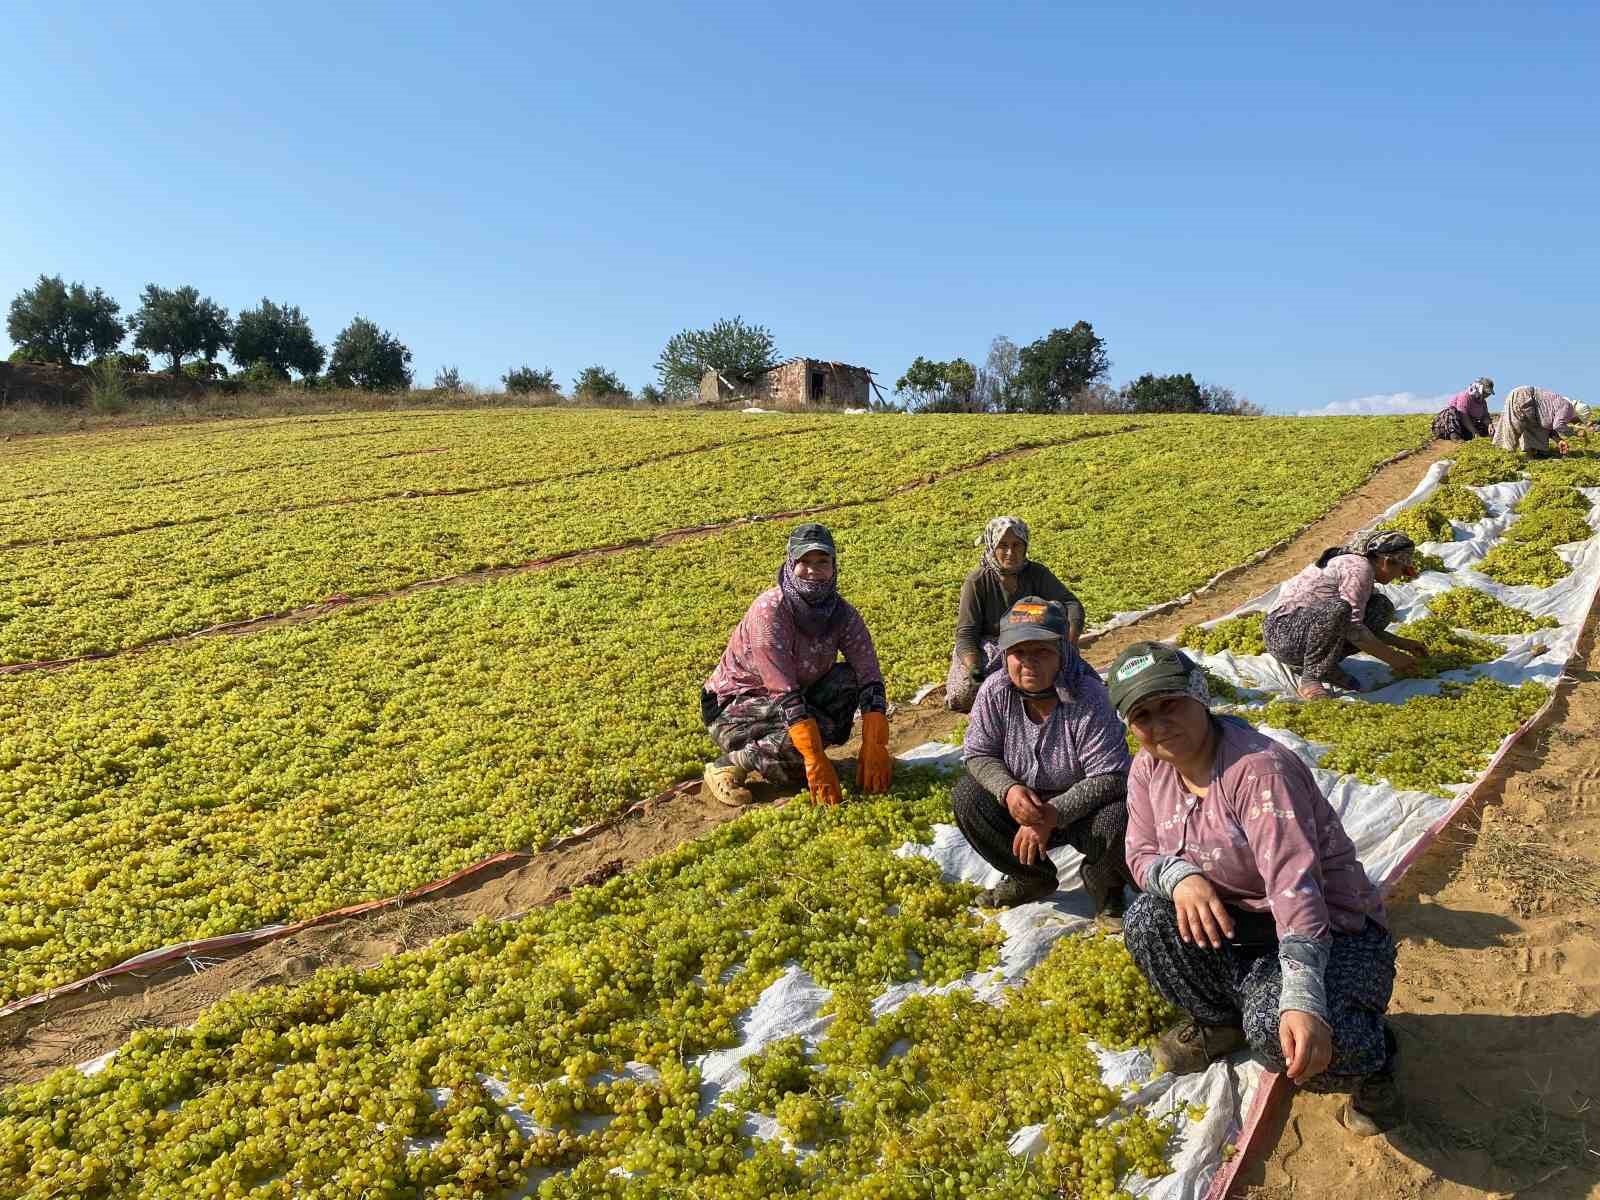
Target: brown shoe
{"points": [[1011, 891], [1376, 1106], [724, 782], [1190, 1046]]}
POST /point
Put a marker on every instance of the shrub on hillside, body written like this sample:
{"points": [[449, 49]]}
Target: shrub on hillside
{"points": [[526, 380]]}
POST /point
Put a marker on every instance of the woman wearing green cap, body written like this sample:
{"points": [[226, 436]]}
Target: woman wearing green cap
{"points": [[1046, 765], [1330, 610], [1255, 918], [987, 594], [780, 696]]}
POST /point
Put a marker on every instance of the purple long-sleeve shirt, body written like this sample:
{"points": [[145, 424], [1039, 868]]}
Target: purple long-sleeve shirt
{"points": [[1082, 737], [1266, 839], [1473, 407], [770, 655]]}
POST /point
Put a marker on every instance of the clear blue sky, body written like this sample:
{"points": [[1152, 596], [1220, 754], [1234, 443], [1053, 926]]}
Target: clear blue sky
{"points": [[1309, 208]]}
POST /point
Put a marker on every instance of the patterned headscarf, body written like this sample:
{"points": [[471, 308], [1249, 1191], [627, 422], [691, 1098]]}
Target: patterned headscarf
{"points": [[1482, 388], [993, 532], [1385, 541], [814, 603]]}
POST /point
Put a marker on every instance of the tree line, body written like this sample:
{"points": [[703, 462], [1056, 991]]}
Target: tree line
{"points": [[1066, 370]]}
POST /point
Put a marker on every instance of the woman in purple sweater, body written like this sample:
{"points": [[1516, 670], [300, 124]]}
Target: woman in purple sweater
{"points": [[1255, 916]]}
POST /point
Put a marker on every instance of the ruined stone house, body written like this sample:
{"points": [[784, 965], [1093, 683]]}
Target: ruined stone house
{"points": [[793, 384]]}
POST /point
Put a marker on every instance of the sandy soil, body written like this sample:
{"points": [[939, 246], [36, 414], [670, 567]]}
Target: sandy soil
{"points": [[1497, 1003], [75, 1028]]}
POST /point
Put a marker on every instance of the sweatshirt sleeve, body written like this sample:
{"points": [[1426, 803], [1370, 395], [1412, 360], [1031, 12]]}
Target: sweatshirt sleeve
{"points": [[969, 620], [1051, 588]]}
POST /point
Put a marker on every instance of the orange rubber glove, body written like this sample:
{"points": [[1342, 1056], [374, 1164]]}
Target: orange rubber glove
{"points": [[872, 764], [821, 778]]}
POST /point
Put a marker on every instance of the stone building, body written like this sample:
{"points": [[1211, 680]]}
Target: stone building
{"points": [[794, 383]]}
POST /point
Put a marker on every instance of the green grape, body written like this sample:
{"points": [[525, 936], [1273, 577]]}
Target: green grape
{"points": [[1468, 608], [1425, 743], [1240, 635]]}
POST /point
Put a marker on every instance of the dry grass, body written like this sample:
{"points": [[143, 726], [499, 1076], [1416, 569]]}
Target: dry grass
{"points": [[1515, 858], [1541, 1134]]}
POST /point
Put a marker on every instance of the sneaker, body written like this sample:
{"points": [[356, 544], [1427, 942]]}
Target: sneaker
{"points": [[1011, 891], [725, 783], [1190, 1046]]}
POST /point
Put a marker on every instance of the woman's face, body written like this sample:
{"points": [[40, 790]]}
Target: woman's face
{"points": [[1390, 567], [1011, 552], [1173, 728], [1033, 665], [814, 565]]}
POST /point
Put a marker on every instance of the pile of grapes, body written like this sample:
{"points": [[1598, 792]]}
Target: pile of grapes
{"points": [[1468, 608], [418, 1076], [1425, 744], [1240, 635], [1429, 520]]}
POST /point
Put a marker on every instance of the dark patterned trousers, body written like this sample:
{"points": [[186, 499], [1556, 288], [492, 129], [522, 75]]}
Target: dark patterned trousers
{"points": [[1312, 639], [1239, 985], [989, 828], [752, 732]]}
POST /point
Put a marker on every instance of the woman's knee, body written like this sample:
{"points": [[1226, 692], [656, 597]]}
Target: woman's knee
{"points": [[1149, 920]]}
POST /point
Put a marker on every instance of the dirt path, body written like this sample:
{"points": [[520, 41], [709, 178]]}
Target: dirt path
{"points": [[77, 1027], [1497, 1004]]}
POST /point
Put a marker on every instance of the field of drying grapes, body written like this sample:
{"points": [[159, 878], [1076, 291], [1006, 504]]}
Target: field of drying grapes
{"points": [[257, 672]]}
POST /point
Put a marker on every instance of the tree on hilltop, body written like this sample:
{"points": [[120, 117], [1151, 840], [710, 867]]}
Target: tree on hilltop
{"points": [[51, 322], [370, 358], [278, 338], [180, 323], [1056, 367], [729, 346]]}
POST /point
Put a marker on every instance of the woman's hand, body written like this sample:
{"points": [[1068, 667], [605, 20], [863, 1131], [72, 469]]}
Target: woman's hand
{"points": [[1307, 1044], [1032, 842], [1202, 916], [1411, 646], [1024, 805]]}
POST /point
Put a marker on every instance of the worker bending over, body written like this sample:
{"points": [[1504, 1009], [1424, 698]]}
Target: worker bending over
{"points": [[1535, 415]]}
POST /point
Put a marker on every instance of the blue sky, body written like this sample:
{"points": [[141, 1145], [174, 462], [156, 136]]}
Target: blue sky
{"points": [[1313, 207]]}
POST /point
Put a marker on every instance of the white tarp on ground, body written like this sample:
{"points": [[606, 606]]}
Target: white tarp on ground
{"points": [[1386, 825]]}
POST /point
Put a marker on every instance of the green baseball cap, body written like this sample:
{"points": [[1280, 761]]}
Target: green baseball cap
{"points": [[1033, 619], [1148, 669], [809, 537]]}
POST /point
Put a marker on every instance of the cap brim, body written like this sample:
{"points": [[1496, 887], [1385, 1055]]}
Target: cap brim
{"points": [[1031, 633], [805, 548], [1154, 691]]}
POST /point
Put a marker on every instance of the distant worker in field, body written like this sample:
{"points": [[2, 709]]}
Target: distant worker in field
{"points": [[1330, 610], [779, 696], [987, 594], [1255, 917], [1467, 414], [1046, 766], [1535, 415]]}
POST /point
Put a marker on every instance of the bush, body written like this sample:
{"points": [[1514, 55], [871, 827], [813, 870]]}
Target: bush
{"points": [[525, 379], [447, 379], [597, 385], [124, 360], [206, 372], [108, 391]]}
